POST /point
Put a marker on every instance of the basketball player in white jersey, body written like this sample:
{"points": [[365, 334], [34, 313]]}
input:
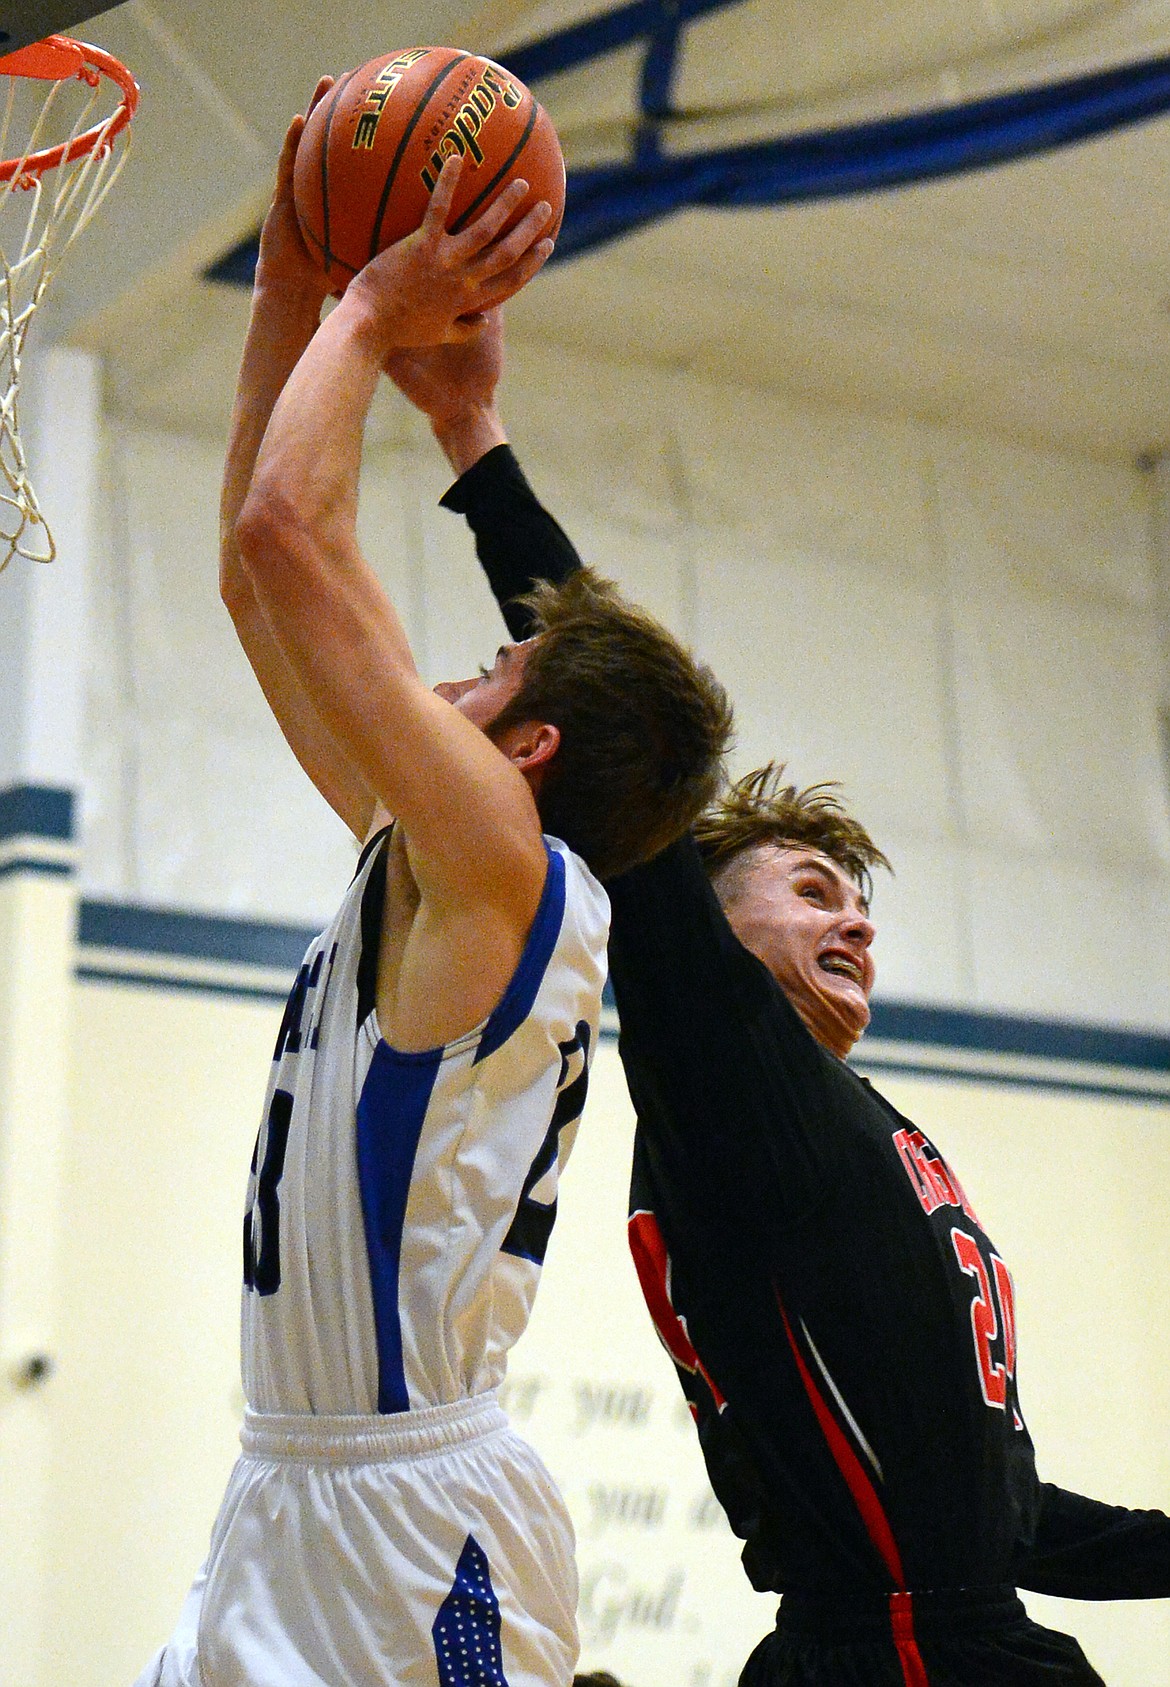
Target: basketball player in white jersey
{"points": [[384, 1527]]}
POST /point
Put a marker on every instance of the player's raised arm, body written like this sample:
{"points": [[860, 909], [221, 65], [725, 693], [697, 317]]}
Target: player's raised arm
{"points": [[467, 810], [518, 542], [286, 309]]}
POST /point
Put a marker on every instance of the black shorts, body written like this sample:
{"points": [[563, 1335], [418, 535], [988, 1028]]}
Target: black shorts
{"points": [[952, 1638]]}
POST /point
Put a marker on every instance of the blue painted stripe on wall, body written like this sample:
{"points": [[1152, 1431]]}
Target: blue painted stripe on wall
{"points": [[36, 811], [878, 1068], [59, 869], [170, 981], [205, 937], [1001, 1033], [160, 932]]}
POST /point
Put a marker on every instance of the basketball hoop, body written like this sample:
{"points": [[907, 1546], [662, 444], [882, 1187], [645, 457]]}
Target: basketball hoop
{"points": [[49, 190]]}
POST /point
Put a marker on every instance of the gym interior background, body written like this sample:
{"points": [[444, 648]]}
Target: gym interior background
{"points": [[893, 463]]}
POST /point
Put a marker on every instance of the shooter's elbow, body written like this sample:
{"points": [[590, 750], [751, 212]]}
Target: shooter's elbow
{"points": [[267, 530]]}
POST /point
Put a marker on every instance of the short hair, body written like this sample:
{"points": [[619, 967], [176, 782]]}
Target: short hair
{"points": [[644, 726], [760, 809], [602, 1678]]}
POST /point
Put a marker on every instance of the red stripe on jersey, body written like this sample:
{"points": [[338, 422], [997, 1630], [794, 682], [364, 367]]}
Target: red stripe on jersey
{"points": [[872, 1515], [652, 1263], [863, 1491], [910, 1658]]}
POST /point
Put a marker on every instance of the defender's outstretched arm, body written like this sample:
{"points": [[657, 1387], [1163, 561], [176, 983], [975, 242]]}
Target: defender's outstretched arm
{"points": [[517, 540]]}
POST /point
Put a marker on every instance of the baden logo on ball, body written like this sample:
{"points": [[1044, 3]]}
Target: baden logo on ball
{"points": [[372, 150]]}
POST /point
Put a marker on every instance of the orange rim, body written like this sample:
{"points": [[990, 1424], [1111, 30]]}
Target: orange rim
{"points": [[56, 59]]}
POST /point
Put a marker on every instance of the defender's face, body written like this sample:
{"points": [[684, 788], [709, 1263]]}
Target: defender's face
{"points": [[803, 916], [484, 698]]}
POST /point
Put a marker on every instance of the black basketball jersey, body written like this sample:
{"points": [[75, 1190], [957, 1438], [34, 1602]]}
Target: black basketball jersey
{"points": [[842, 1325]]}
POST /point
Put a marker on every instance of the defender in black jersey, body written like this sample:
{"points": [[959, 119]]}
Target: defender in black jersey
{"points": [[841, 1324]]}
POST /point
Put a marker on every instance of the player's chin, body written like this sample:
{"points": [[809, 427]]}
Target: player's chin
{"points": [[848, 1003]]}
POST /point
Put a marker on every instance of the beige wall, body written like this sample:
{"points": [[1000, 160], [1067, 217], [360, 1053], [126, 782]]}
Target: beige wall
{"points": [[166, 1092], [963, 630], [36, 998], [166, 1088]]}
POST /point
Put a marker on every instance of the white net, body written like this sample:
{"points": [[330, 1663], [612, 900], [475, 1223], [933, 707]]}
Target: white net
{"points": [[43, 208]]}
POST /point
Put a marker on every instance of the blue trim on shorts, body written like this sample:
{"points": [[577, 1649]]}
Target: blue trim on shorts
{"points": [[518, 998], [466, 1631], [390, 1114]]}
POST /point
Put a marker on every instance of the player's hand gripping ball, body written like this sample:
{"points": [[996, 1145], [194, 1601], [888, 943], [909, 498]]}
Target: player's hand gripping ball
{"points": [[373, 147]]}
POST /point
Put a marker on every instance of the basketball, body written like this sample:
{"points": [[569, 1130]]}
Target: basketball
{"points": [[373, 148]]}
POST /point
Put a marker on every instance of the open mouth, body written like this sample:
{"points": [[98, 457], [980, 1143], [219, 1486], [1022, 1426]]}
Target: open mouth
{"points": [[844, 966]]}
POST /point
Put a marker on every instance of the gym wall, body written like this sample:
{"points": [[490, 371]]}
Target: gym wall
{"points": [[960, 628], [141, 1414]]}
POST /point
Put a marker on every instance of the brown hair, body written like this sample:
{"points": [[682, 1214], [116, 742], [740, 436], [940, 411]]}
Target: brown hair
{"points": [[644, 726], [601, 1679], [759, 809]]}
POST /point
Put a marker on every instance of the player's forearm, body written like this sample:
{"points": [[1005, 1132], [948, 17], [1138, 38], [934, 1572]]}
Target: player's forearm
{"points": [[311, 742], [516, 539], [309, 462], [1084, 1549], [282, 323], [331, 622], [467, 437]]}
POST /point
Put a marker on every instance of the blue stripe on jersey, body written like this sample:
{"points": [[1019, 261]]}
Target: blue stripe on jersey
{"points": [[466, 1631], [390, 1114], [518, 998]]}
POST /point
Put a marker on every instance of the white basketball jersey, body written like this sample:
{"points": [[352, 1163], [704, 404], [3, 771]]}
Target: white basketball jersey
{"points": [[399, 1205]]}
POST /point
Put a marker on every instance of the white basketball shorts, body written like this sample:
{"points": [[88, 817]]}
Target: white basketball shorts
{"points": [[427, 1549]]}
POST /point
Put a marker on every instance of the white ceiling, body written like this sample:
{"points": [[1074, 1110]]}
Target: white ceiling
{"points": [[1033, 299]]}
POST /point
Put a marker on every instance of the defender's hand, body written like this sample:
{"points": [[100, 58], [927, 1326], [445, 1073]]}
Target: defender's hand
{"points": [[452, 382]]}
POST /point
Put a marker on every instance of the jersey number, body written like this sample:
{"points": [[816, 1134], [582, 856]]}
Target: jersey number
{"points": [[528, 1235], [262, 1220], [993, 1310]]}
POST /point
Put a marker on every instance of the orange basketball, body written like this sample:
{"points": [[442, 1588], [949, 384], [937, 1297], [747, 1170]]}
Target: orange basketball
{"points": [[374, 146]]}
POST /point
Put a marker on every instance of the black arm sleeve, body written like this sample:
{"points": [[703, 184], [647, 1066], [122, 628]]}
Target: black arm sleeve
{"points": [[706, 1035], [516, 539], [1083, 1549]]}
